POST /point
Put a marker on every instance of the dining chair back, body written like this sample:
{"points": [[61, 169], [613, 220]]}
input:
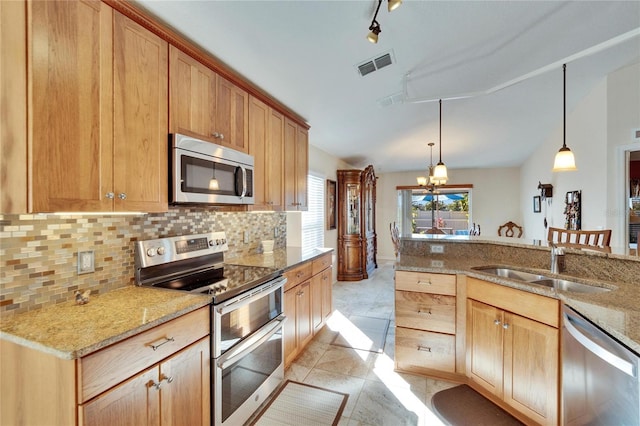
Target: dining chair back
{"points": [[594, 240]]}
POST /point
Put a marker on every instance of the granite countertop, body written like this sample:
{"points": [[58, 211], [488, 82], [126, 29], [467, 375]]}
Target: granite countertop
{"points": [[70, 331], [616, 311], [284, 259]]}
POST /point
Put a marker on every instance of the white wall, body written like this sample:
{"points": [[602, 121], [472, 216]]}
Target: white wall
{"points": [[495, 199], [596, 127]]}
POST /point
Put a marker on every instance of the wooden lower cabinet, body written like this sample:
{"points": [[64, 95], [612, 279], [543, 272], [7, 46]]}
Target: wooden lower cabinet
{"points": [[174, 392], [511, 357], [307, 303], [127, 383]]}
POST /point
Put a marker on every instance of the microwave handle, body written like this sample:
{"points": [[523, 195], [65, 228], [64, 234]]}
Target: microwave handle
{"points": [[244, 182]]}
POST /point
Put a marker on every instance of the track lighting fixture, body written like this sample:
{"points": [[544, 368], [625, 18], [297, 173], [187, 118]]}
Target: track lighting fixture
{"points": [[374, 28], [565, 160]]}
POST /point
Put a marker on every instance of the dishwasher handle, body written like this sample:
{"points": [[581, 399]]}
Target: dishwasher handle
{"points": [[610, 358]]}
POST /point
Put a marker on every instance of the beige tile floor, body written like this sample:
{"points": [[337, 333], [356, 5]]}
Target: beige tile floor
{"points": [[377, 394]]}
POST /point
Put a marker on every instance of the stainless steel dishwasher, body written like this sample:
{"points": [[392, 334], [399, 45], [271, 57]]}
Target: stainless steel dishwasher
{"points": [[600, 384]]}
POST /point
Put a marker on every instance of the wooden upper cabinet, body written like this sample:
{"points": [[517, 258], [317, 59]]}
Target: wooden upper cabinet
{"points": [[192, 99], [232, 112], [70, 106], [266, 127], [296, 166], [13, 104], [205, 105], [140, 118]]}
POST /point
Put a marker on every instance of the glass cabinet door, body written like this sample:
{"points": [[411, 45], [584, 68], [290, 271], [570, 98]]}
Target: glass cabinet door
{"points": [[353, 208]]}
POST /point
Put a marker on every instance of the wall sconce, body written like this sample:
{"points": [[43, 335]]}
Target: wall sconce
{"points": [[546, 190]]}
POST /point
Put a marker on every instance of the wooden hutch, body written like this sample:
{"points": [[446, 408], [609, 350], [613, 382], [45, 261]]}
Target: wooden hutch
{"points": [[357, 239]]}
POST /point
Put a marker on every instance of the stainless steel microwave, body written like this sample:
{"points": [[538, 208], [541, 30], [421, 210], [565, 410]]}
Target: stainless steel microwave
{"points": [[205, 173]]}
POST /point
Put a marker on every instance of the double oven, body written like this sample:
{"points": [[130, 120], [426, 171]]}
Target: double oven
{"points": [[247, 362]]}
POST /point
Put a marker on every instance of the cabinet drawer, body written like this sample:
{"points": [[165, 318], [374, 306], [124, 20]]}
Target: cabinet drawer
{"points": [[423, 350], [101, 370], [426, 283], [321, 264], [297, 275], [424, 311]]}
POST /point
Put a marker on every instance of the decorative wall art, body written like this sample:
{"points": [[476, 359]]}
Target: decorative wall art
{"points": [[331, 211], [537, 207], [573, 210]]}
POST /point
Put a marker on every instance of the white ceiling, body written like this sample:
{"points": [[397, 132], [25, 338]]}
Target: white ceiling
{"points": [[305, 52]]}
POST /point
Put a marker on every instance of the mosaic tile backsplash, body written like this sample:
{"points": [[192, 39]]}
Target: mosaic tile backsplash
{"points": [[39, 253]]}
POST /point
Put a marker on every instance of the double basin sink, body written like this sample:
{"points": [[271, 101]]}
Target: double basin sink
{"points": [[555, 283]]}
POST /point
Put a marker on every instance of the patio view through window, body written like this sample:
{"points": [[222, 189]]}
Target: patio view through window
{"points": [[445, 211]]}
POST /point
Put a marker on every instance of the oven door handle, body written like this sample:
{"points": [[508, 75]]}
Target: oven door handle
{"points": [[249, 344], [242, 300], [610, 358]]}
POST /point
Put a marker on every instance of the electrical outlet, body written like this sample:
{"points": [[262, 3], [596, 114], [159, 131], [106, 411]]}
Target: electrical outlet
{"points": [[437, 263], [246, 237], [275, 232], [437, 248], [86, 262]]}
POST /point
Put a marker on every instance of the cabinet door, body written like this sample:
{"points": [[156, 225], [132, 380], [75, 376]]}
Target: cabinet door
{"points": [[275, 165], [258, 134], [232, 112], [531, 368], [140, 118], [290, 177], [350, 259], [13, 104], [302, 167], [71, 105], [316, 302], [193, 96], [135, 402], [303, 314], [184, 393], [484, 345], [289, 334], [327, 293]]}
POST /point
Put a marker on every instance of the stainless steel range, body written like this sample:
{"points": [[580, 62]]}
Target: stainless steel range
{"points": [[246, 316]]}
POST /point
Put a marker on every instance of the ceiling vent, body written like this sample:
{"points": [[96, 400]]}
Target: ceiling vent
{"points": [[387, 101], [371, 65]]}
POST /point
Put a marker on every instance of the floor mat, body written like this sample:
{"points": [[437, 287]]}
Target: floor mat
{"points": [[298, 404], [365, 333], [462, 406]]}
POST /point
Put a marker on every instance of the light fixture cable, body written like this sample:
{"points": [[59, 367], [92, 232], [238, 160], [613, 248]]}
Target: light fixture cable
{"points": [[440, 172]]}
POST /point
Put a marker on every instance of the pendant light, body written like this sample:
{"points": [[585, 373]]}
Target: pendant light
{"points": [[423, 181], [564, 161], [440, 172]]}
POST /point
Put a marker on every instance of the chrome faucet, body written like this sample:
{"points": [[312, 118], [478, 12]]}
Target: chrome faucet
{"points": [[557, 259]]}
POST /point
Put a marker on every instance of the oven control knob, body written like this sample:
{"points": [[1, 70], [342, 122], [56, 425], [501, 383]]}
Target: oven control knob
{"points": [[160, 251], [151, 252], [212, 243], [224, 241], [218, 242]]}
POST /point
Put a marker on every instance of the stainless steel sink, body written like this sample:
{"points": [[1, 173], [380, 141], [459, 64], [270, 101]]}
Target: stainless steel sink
{"points": [[556, 283]]}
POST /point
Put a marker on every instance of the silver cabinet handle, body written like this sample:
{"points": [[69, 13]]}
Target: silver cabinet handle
{"points": [[424, 348], [424, 282], [122, 196], [159, 384], [496, 322], [169, 379], [428, 311], [505, 326], [110, 195], [165, 341]]}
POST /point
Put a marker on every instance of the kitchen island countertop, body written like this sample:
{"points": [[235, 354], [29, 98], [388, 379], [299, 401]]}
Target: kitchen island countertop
{"points": [[284, 259]]}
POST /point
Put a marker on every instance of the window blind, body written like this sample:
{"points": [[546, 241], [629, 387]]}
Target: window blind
{"points": [[313, 218]]}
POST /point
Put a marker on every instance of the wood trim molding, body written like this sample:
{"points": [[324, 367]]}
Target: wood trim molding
{"points": [[456, 186], [173, 37]]}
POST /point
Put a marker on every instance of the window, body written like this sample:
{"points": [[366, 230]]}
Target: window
{"points": [[313, 218], [447, 211]]}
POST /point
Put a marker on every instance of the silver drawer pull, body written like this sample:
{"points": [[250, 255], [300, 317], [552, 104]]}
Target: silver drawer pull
{"points": [[424, 282], [424, 348], [165, 340], [428, 311]]}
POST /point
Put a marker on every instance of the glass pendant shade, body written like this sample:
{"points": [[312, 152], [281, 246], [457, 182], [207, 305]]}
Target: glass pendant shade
{"points": [[565, 160], [393, 4], [213, 184], [422, 181], [440, 174]]}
